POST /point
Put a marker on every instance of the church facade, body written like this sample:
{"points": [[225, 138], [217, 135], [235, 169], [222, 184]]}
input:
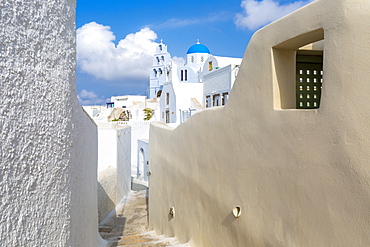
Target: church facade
{"points": [[185, 89]]}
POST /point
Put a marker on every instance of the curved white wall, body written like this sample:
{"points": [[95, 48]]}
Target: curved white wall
{"points": [[48, 145]]}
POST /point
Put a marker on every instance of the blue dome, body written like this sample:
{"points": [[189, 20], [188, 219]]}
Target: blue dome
{"points": [[198, 48]]}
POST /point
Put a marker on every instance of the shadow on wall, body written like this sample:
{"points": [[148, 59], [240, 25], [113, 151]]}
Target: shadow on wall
{"points": [[106, 192], [108, 203], [138, 186], [299, 172]]}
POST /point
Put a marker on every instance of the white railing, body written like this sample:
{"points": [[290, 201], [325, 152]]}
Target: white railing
{"points": [[134, 122], [186, 114]]}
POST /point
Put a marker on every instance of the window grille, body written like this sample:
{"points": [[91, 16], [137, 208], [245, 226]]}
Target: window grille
{"points": [[309, 72]]}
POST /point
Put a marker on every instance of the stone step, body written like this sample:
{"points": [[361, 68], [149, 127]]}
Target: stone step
{"points": [[143, 242], [127, 225], [146, 244], [149, 239]]}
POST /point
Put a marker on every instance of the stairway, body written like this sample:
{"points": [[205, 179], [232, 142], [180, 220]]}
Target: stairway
{"points": [[128, 226], [148, 239]]}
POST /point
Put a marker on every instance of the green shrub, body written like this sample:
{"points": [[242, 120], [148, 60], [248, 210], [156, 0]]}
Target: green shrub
{"points": [[148, 113]]}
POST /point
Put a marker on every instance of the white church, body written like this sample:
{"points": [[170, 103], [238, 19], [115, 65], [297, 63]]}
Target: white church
{"points": [[203, 81], [176, 92]]}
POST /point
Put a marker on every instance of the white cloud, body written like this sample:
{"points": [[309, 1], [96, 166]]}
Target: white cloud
{"points": [[177, 22], [98, 55], [178, 60], [87, 95], [259, 13], [90, 98]]}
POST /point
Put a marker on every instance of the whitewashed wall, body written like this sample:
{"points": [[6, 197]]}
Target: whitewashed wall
{"points": [[300, 177], [186, 92], [140, 130], [114, 180], [172, 107], [48, 144], [142, 159], [152, 104], [180, 95], [217, 81], [127, 100]]}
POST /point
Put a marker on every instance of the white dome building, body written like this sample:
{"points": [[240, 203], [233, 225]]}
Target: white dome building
{"points": [[181, 89]]}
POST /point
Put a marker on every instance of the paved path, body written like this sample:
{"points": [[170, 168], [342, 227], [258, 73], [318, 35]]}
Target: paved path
{"points": [[128, 226]]}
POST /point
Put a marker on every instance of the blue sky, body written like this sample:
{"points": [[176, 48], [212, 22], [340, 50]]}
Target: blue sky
{"points": [[116, 38]]}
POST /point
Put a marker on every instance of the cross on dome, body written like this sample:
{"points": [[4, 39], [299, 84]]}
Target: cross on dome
{"points": [[198, 48]]}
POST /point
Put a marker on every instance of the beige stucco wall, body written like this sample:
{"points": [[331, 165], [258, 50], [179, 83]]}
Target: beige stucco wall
{"points": [[301, 177]]}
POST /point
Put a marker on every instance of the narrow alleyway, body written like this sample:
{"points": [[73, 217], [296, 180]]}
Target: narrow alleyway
{"points": [[129, 225]]}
